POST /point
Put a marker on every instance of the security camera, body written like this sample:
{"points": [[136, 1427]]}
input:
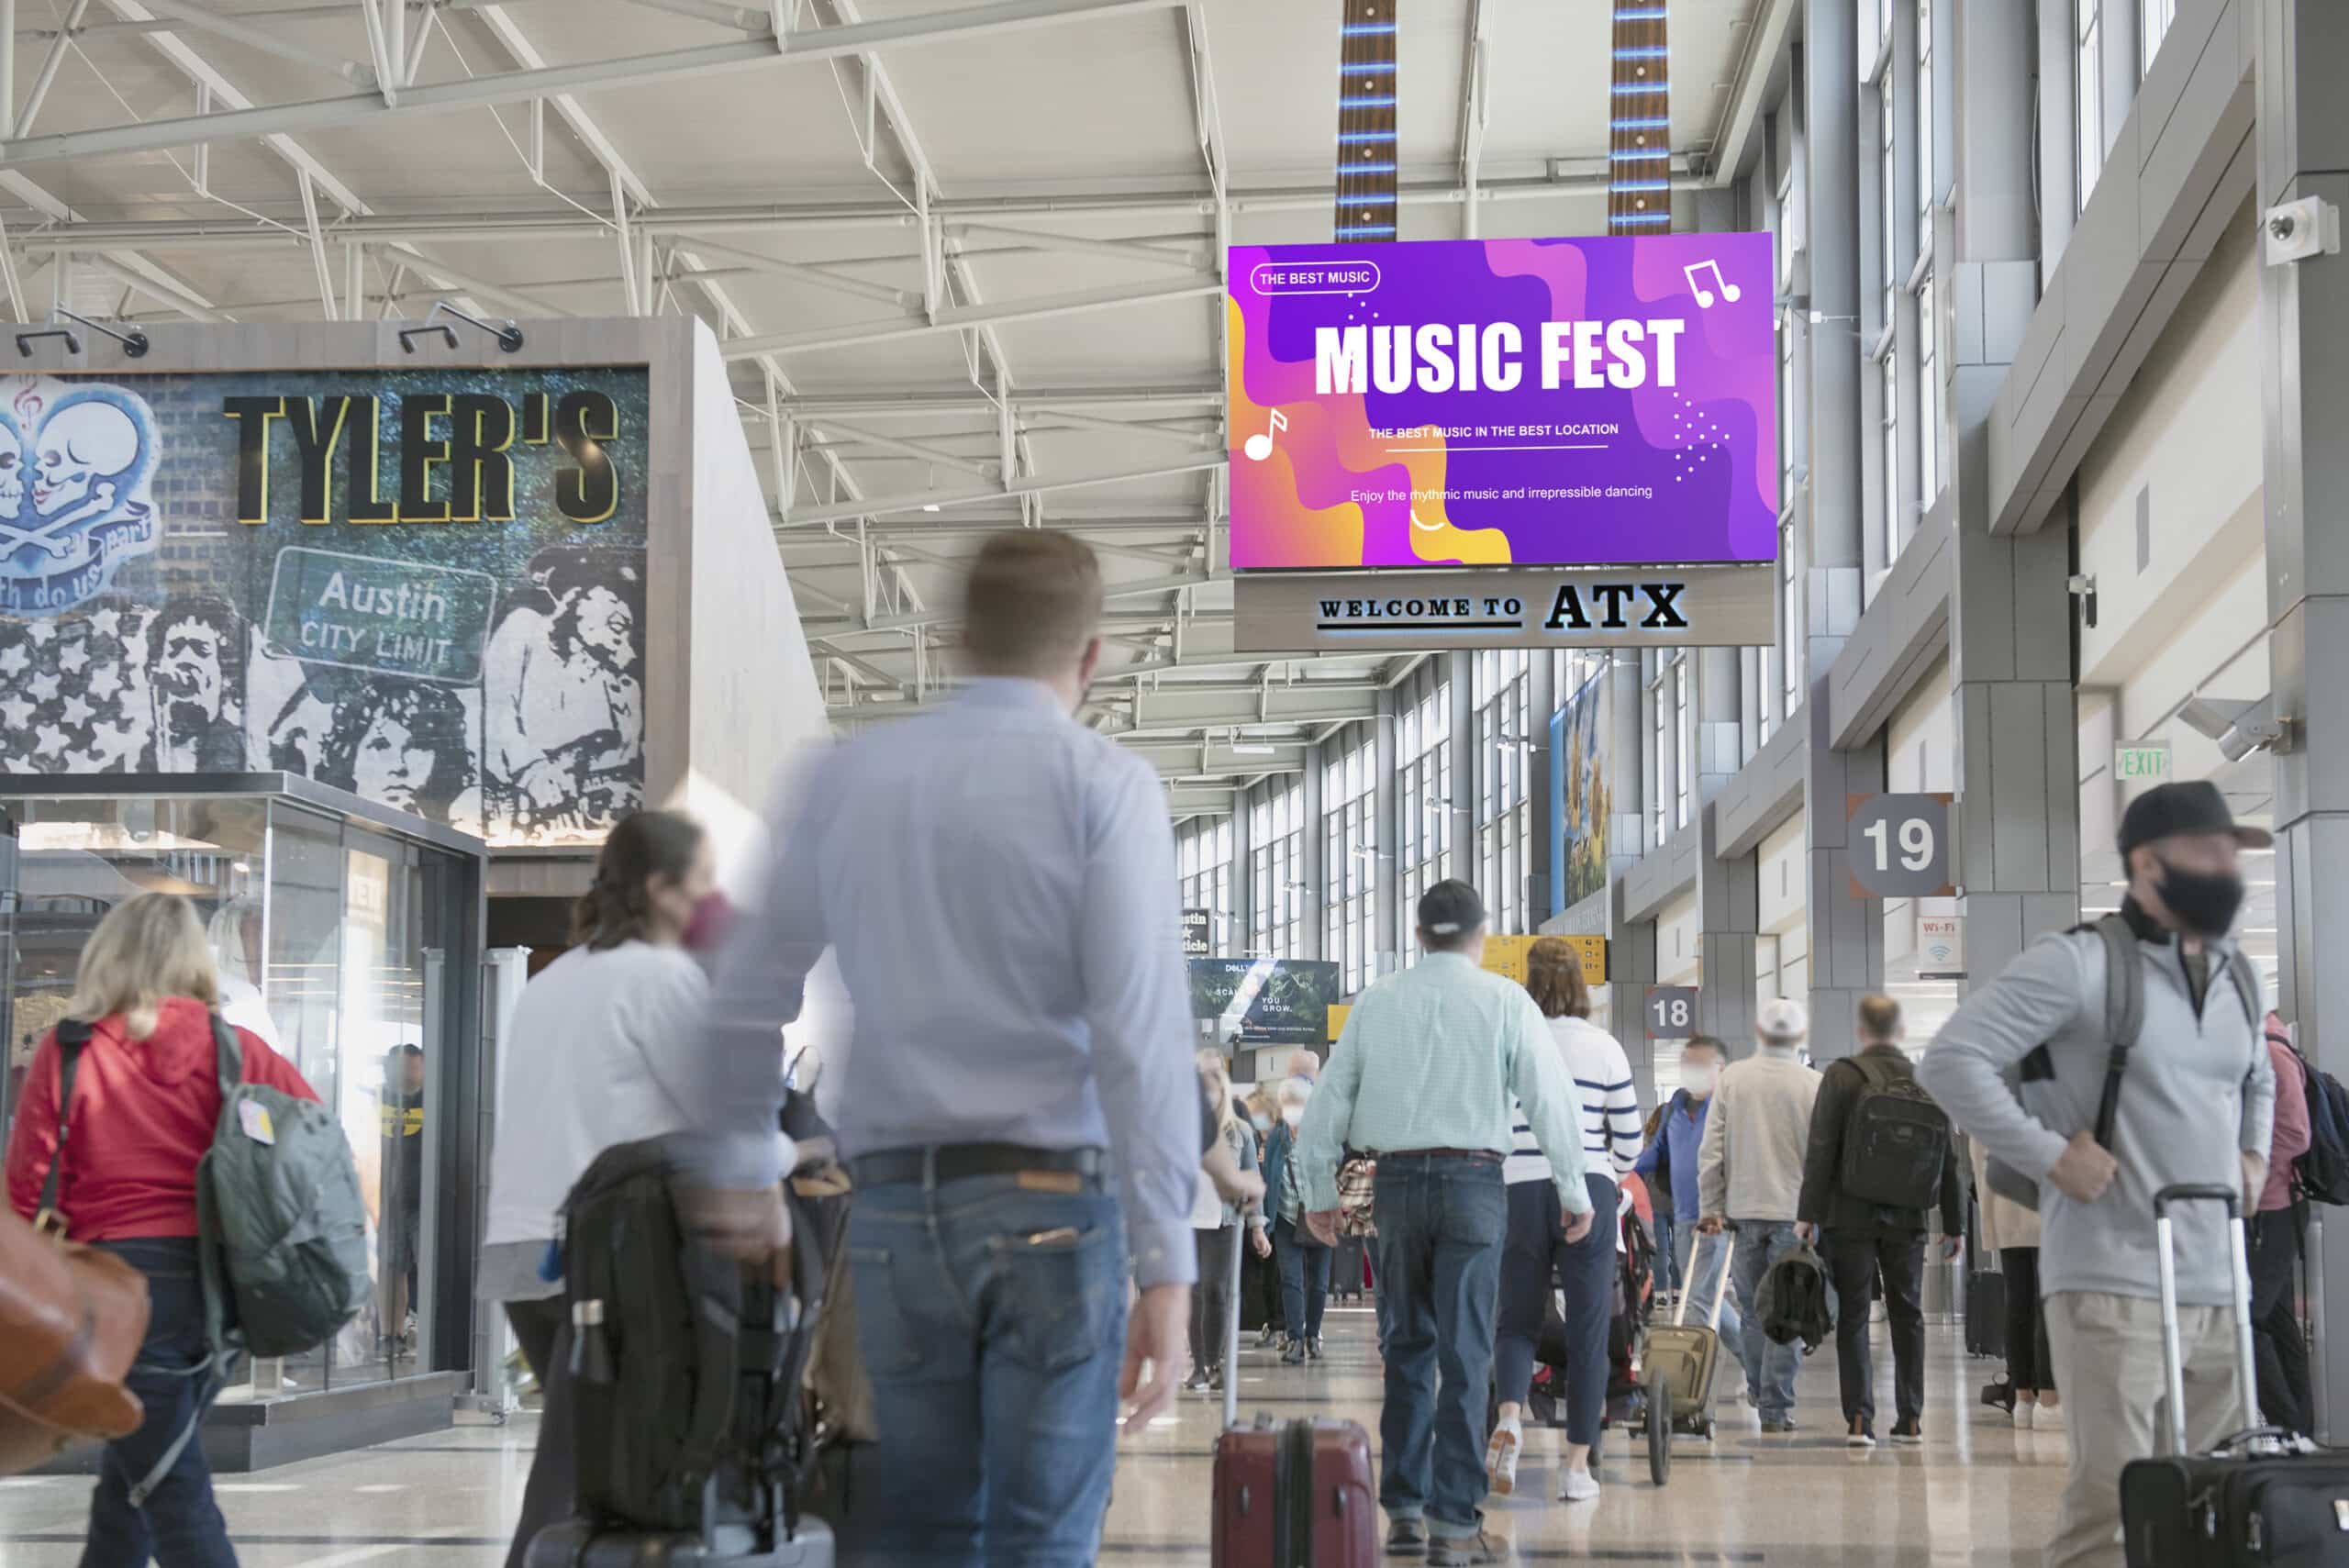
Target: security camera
{"points": [[2083, 589], [2239, 727]]}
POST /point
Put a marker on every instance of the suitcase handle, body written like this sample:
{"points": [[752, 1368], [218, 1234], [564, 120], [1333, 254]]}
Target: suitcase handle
{"points": [[2165, 1260], [1720, 1290]]}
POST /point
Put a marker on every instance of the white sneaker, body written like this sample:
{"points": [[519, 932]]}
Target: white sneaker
{"points": [[1577, 1486], [2047, 1418], [1500, 1457], [2023, 1412]]}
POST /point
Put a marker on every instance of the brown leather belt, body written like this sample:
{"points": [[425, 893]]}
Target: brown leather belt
{"points": [[962, 1162], [1484, 1156]]}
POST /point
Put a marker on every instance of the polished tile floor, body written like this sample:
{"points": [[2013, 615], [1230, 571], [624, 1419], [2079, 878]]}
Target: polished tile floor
{"points": [[1977, 1493]]}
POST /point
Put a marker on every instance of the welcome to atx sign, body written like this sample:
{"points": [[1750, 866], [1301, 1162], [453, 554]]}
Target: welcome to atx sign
{"points": [[1688, 608]]}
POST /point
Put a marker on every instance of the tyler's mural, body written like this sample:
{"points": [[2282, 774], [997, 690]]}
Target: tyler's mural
{"points": [[426, 587]]}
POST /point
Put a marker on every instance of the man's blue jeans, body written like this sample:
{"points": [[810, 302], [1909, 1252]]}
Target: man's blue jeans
{"points": [[1442, 1220], [1668, 1249], [992, 1320], [1769, 1368], [1704, 1277], [1305, 1279]]}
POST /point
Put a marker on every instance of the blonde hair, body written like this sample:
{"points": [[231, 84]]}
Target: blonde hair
{"points": [[1218, 1078], [149, 949]]}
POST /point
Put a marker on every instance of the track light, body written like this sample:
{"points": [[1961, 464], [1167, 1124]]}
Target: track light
{"points": [[508, 337]]}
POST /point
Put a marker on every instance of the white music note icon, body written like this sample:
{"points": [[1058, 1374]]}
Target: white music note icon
{"points": [[1427, 527], [1729, 291], [1260, 446]]}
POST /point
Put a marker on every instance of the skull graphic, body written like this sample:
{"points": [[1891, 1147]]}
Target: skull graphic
{"points": [[82, 445], [11, 471]]}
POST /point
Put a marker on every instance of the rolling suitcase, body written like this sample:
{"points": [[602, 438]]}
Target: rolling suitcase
{"points": [[1677, 1373], [1292, 1493], [1986, 1313], [2264, 1497]]}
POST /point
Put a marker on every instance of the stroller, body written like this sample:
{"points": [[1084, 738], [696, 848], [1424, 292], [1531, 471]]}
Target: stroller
{"points": [[1626, 1332]]}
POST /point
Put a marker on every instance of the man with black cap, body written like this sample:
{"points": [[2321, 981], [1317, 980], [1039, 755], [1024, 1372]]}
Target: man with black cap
{"points": [[2191, 1103], [1423, 1075]]}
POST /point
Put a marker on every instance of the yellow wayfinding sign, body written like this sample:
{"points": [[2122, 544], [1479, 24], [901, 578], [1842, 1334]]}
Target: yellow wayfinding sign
{"points": [[1506, 955]]}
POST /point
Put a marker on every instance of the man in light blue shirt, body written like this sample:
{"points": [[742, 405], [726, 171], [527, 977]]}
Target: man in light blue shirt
{"points": [[998, 883], [1423, 1077]]}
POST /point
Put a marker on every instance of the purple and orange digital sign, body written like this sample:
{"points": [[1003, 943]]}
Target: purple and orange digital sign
{"points": [[1584, 402]]}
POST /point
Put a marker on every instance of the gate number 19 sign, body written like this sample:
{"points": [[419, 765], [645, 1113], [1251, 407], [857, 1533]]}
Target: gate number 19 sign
{"points": [[1899, 846]]}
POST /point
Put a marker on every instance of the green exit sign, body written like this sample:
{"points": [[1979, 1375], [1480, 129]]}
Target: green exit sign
{"points": [[2149, 760]]}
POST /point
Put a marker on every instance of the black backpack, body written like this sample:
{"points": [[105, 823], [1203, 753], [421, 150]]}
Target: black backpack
{"points": [[1896, 1141], [686, 1367], [2321, 1173]]}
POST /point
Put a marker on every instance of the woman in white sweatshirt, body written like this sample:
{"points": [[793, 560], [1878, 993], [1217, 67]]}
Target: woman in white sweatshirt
{"points": [[1536, 1247], [595, 1054]]}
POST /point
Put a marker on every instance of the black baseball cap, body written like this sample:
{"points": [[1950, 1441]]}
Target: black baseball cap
{"points": [[1451, 908], [2192, 805]]}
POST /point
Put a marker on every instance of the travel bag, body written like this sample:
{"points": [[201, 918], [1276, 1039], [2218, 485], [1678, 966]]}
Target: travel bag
{"points": [[687, 1371], [1896, 1141], [2263, 1497], [1986, 1313], [1291, 1493], [1677, 1374], [72, 1320]]}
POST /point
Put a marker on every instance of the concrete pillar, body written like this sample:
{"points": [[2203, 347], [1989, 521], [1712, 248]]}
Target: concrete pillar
{"points": [[1727, 911], [1386, 808], [1846, 933], [1627, 828], [1542, 701], [2303, 128], [2010, 661], [2057, 174], [1630, 970], [1460, 666]]}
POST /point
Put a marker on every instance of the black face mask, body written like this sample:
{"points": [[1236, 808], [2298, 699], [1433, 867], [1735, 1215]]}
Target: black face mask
{"points": [[2204, 902]]}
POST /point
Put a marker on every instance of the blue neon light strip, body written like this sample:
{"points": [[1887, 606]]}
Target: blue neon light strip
{"points": [[1643, 52], [1346, 169], [1642, 155], [1363, 198], [1643, 184], [1642, 218], [1635, 89], [1367, 231], [1367, 30], [1655, 15], [1372, 69], [1642, 125], [1349, 138], [1385, 102]]}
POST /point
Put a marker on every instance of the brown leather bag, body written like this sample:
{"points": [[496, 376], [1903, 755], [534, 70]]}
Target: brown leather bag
{"points": [[71, 1321]]}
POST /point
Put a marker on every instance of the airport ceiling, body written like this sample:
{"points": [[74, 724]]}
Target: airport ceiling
{"points": [[963, 255]]}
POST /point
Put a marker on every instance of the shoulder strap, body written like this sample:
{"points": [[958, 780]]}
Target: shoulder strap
{"points": [[2124, 1013], [2246, 981], [229, 1057], [1870, 1075], [71, 1036]]}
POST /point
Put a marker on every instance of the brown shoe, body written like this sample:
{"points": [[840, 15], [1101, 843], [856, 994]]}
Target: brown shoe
{"points": [[1460, 1551]]}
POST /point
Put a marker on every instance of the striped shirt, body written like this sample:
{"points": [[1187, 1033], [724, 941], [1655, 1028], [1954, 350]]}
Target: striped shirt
{"points": [[1610, 1105], [1439, 1056]]}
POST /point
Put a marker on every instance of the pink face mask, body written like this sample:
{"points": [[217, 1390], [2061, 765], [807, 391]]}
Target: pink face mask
{"points": [[712, 918]]}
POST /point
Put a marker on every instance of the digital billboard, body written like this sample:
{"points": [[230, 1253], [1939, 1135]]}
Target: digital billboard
{"points": [[1584, 402], [1264, 1001]]}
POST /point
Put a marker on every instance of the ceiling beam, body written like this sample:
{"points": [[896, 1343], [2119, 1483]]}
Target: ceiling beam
{"points": [[914, 500], [366, 109], [961, 319]]}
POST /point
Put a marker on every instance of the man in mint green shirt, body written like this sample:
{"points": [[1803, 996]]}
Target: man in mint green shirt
{"points": [[1425, 1077]]}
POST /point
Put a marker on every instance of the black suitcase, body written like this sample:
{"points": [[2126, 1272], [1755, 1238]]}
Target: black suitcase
{"points": [[1986, 1314], [2264, 1498]]}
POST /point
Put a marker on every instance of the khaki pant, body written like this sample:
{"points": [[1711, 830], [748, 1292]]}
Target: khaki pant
{"points": [[2107, 1356]]}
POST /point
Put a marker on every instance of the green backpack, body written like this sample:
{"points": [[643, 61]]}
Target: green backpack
{"points": [[278, 1209]]}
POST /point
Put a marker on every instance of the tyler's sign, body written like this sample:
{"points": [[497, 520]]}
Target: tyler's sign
{"points": [[1638, 608]]}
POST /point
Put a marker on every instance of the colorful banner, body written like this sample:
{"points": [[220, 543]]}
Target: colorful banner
{"points": [[1585, 402], [1582, 801], [423, 587]]}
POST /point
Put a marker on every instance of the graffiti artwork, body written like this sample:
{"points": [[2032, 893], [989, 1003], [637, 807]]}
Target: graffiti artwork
{"points": [[426, 587]]}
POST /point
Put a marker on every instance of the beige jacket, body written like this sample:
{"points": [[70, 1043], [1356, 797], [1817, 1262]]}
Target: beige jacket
{"points": [[1750, 1165], [2005, 1223]]}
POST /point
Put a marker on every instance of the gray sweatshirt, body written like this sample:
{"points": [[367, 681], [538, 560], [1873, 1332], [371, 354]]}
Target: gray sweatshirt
{"points": [[1750, 1164], [2197, 1092]]}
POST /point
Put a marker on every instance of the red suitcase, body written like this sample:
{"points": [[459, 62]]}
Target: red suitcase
{"points": [[1292, 1495]]}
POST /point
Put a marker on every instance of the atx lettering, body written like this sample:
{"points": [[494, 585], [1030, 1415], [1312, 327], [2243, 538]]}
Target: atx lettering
{"points": [[1567, 612], [454, 455]]}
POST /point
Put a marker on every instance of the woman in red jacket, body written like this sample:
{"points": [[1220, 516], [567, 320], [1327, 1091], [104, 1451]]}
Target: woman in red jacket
{"points": [[115, 1164]]}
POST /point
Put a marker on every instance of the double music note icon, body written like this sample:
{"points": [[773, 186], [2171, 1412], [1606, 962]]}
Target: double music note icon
{"points": [[1729, 291], [1260, 446]]}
